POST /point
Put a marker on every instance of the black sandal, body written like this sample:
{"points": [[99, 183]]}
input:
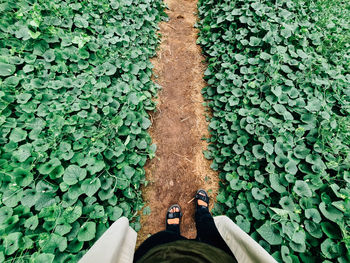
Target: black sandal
{"points": [[173, 215], [204, 198]]}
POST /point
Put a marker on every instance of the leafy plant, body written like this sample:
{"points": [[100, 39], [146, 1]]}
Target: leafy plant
{"points": [[75, 91], [278, 86]]}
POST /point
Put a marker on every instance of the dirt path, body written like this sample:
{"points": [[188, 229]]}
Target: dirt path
{"points": [[179, 168]]}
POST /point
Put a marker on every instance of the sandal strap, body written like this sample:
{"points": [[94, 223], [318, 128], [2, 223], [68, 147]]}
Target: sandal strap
{"points": [[204, 197], [172, 215]]}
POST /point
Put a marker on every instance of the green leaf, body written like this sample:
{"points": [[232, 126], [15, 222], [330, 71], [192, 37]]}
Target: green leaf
{"points": [[243, 223], [291, 167], [276, 184], [312, 213], [332, 230], [71, 214], [301, 188], [23, 152], [54, 243], [87, 231], [258, 194], [6, 69], [268, 147], [330, 212], [63, 229], [5, 213], [330, 249], [18, 135], [114, 213], [287, 203], [32, 222], [146, 210], [301, 151], [128, 171], [91, 186], [30, 197], [73, 174], [44, 258], [271, 234], [22, 177], [49, 55], [48, 167], [110, 69], [280, 109], [11, 198], [96, 166], [258, 152], [286, 255], [254, 41], [242, 141], [313, 228], [11, 242]]}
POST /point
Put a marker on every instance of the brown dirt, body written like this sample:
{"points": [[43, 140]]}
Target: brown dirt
{"points": [[179, 168]]}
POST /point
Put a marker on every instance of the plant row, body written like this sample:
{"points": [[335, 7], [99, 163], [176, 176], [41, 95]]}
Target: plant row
{"points": [[75, 88], [278, 86]]}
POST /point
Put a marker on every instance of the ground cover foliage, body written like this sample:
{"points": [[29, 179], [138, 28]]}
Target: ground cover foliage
{"points": [[278, 86], [75, 88]]}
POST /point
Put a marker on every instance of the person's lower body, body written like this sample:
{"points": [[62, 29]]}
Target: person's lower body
{"points": [[206, 232], [170, 235]]}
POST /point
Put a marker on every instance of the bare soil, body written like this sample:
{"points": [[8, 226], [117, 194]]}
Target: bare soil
{"points": [[179, 168]]}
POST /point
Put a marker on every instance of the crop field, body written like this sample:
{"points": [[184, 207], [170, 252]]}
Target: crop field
{"points": [[75, 88], [279, 87], [77, 107]]}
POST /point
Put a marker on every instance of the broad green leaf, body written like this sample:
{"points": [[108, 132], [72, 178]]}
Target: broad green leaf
{"points": [[49, 55], [313, 214], [63, 229], [287, 203], [276, 184], [330, 249], [271, 234], [44, 258], [330, 212], [22, 177], [114, 213], [87, 231], [71, 214], [6, 69], [23, 152], [268, 147], [73, 174], [332, 230], [91, 186], [12, 242], [301, 188], [128, 171], [32, 222], [291, 167], [55, 243], [258, 152], [259, 194], [18, 135], [5, 213]]}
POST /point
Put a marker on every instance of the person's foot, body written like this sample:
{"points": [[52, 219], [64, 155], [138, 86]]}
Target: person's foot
{"points": [[173, 218], [174, 221], [201, 202], [202, 199]]}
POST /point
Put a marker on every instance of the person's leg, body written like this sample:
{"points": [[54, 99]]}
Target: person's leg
{"points": [[155, 240], [206, 229], [171, 234]]}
